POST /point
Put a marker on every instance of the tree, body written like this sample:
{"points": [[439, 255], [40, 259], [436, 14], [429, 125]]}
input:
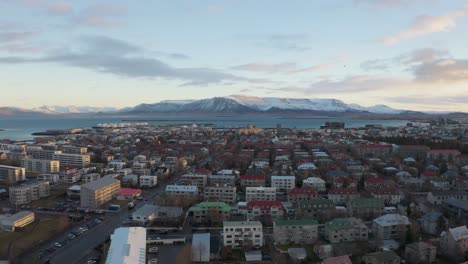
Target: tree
{"points": [[201, 250], [185, 255]]}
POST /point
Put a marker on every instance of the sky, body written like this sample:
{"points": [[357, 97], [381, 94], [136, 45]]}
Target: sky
{"points": [[407, 54]]}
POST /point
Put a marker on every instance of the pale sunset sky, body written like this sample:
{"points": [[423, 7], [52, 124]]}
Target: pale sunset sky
{"points": [[407, 54]]}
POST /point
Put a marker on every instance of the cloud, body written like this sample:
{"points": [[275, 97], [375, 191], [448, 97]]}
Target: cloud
{"points": [[215, 9], [286, 42], [56, 8], [284, 68], [387, 3], [315, 68], [427, 24], [15, 36], [442, 70], [112, 56], [103, 16], [424, 99]]}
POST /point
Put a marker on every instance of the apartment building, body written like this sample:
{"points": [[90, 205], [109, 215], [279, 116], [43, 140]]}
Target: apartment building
{"points": [[342, 195], [72, 160], [51, 178], [315, 182], [40, 166], [268, 209], [18, 220], [199, 180], [346, 230], [252, 180], [25, 193], [283, 183], [10, 174], [90, 177], [295, 231], [221, 180], [390, 226], [260, 194], [242, 233], [210, 212], [43, 154], [182, 191], [439, 197], [148, 181], [454, 242], [365, 207], [225, 194], [297, 195], [96, 193], [74, 150]]}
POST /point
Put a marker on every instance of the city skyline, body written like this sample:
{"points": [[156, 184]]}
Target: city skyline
{"points": [[407, 54]]}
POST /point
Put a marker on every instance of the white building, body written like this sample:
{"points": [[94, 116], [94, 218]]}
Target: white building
{"points": [[40, 166], [117, 165], [90, 177], [148, 181], [10, 174], [260, 194], [128, 246], [18, 220], [182, 190], [74, 191], [201, 247], [52, 178], [28, 192], [72, 160], [237, 234], [225, 194], [284, 183], [316, 183], [390, 226]]}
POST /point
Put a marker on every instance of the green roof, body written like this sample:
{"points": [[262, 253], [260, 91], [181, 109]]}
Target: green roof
{"points": [[241, 223], [339, 223], [366, 203], [211, 205], [295, 222], [316, 203]]}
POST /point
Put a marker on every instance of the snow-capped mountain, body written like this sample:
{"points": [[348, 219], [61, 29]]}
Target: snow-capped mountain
{"points": [[72, 109]]}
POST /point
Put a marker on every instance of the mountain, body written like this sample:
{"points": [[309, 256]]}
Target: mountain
{"points": [[73, 109], [14, 111]]}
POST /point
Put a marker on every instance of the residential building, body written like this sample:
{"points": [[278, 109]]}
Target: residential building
{"points": [[454, 242], [298, 195], [390, 196], [373, 150], [365, 207], [149, 213], [346, 230], [244, 233], [269, 209], [381, 257], [11, 175], [433, 223], [283, 183], [210, 212], [74, 191], [116, 165], [418, 152], [90, 177], [317, 183], [443, 154], [252, 181], [182, 191], [221, 180], [420, 252], [148, 181], [342, 195], [128, 245], [438, 197], [260, 194], [74, 150], [199, 180], [96, 193], [52, 178], [27, 192], [40, 166], [72, 160], [18, 220], [221, 193], [457, 209], [390, 226], [316, 208], [295, 231]]}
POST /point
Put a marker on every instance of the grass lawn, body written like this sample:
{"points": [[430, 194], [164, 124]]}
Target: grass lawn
{"points": [[54, 196], [31, 236]]}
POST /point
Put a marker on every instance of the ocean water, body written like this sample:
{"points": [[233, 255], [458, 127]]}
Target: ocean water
{"points": [[21, 128]]}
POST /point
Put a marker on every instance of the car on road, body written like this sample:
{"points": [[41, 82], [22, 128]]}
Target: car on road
{"points": [[153, 250], [57, 244], [153, 261], [71, 236]]}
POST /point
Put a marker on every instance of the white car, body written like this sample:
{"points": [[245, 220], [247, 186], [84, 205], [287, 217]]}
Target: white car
{"points": [[153, 250], [153, 261]]}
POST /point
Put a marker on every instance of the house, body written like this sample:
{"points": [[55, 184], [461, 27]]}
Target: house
{"points": [[390, 196], [295, 231], [270, 209], [443, 154], [433, 223], [342, 181], [12, 222], [210, 212], [342, 195], [148, 214], [365, 207], [148, 181], [438, 197], [382, 257], [297, 195], [390, 226], [199, 180], [242, 233], [346, 230], [420, 252], [221, 180], [74, 191], [457, 209], [374, 183], [316, 183], [201, 247], [454, 242], [128, 194]]}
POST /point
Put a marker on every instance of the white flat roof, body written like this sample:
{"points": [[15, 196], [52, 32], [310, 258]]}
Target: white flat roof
{"points": [[128, 246]]}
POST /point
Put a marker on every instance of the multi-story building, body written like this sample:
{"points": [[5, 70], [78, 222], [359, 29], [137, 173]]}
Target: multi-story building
{"points": [[342, 195], [269, 209], [252, 181], [315, 182], [239, 234], [381, 257], [116, 165], [148, 181], [72, 160], [221, 180], [390, 226], [10, 174], [90, 177], [295, 231], [316, 207], [438, 197], [443, 154], [418, 152], [260, 194], [96, 193], [211, 212], [43, 154], [365, 207], [373, 150], [454, 242], [74, 150], [40, 166], [186, 191], [52, 178], [420, 252], [390, 196], [457, 209], [221, 193], [128, 245], [18, 220], [25, 193], [199, 180], [283, 183], [298, 195], [346, 230]]}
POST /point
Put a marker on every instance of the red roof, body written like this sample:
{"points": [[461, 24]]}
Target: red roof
{"points": [[444, 151], [203, 171], [129, 192], [303, 190], [376, 146], [264, 204], [252, 177], [343, 191], [344, 179], [375, 180], [429, 173]]}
